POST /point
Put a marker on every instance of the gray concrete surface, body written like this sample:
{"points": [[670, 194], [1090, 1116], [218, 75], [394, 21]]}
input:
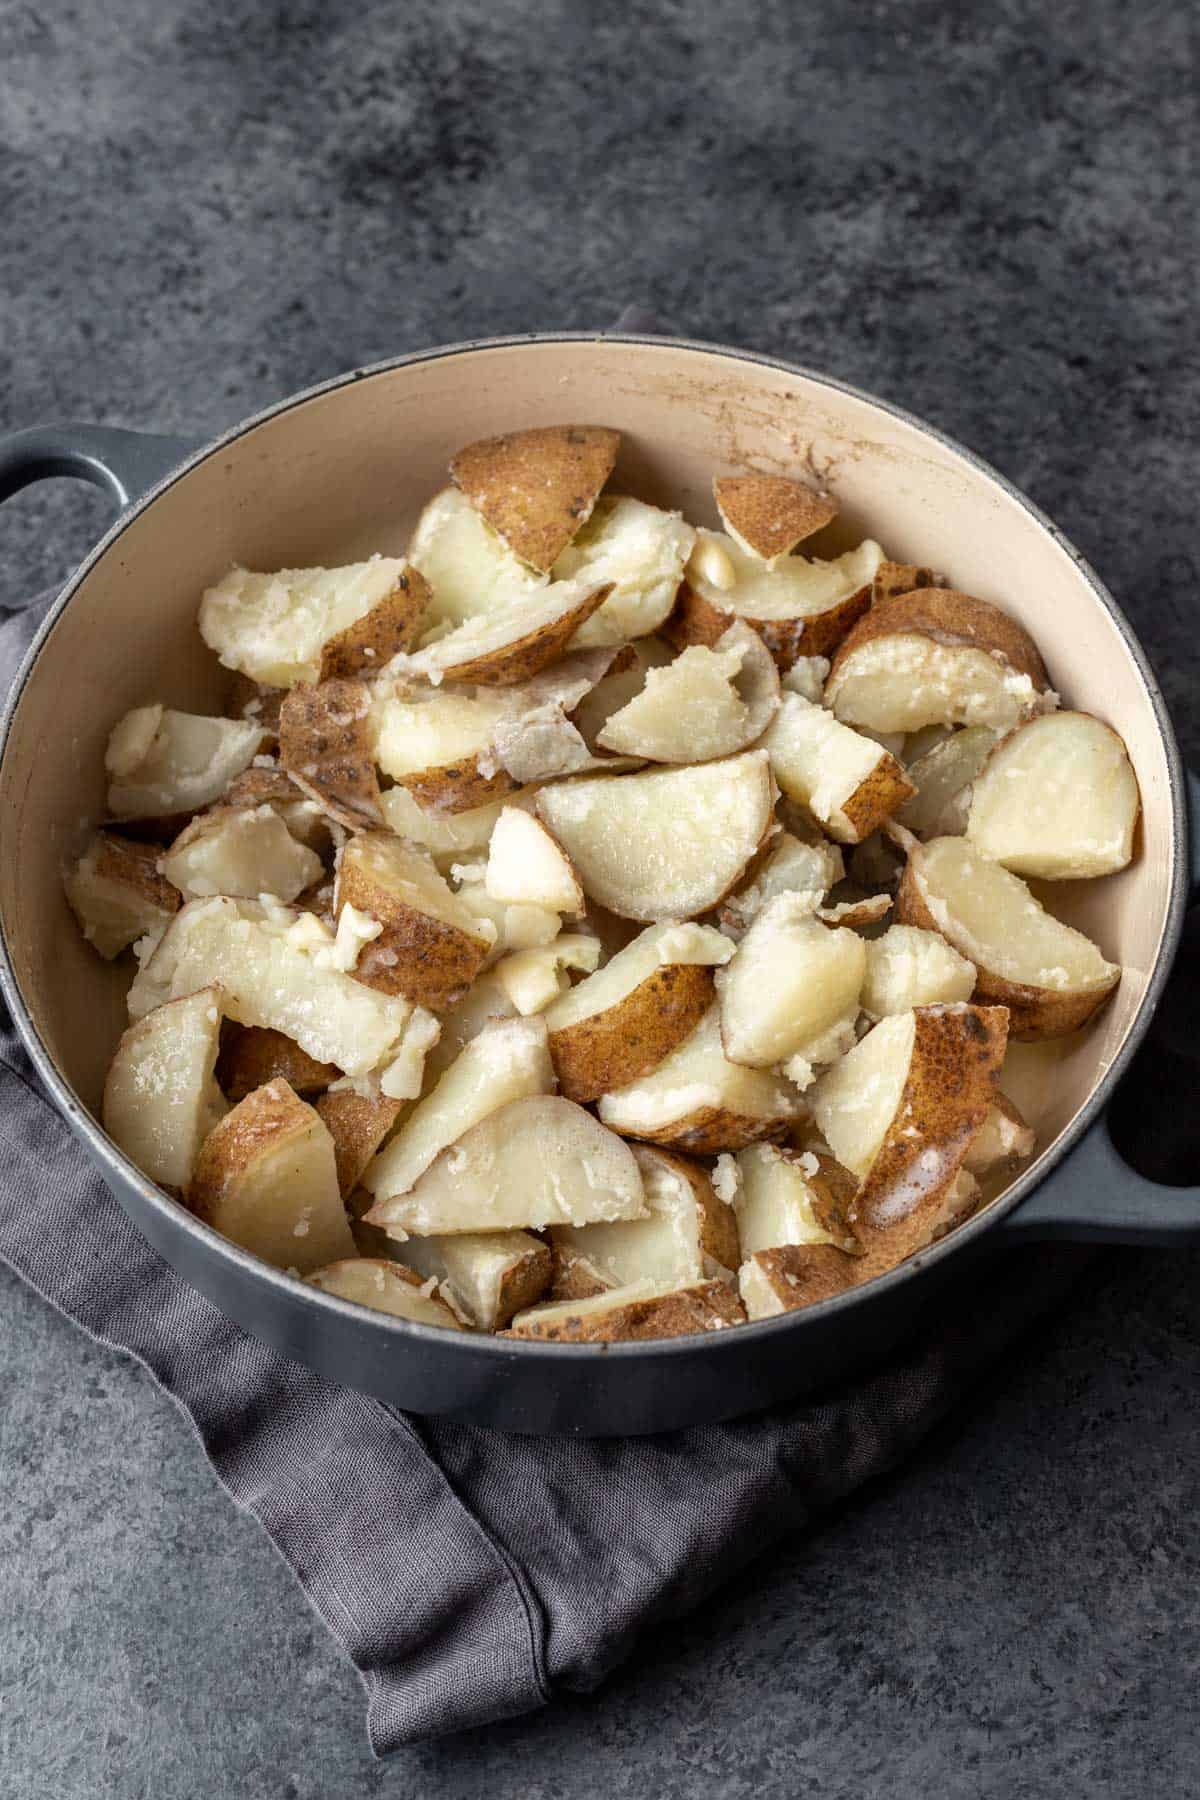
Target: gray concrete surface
{"points": [[984, 211]]}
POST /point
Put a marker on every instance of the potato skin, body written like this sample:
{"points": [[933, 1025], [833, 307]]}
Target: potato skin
{"points": [[1033, 1012], [526, 657], [537, 488], [884, 792], [707, 1305], [626, 1041], [393, 624], [325, 747], [256, 1123], [457, 787], [893, 578], [250, 699], [800, 1275], [770, 513], [572, 1276], [358, 1127], [435, 962], [135, 866], [718, 1221], [524, 1283], [711, 1129], [696, 620], [256, 1055], [948, 617]]}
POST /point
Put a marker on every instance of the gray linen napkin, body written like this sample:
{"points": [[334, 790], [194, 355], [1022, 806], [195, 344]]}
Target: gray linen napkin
{"points": [[467, 1573]]}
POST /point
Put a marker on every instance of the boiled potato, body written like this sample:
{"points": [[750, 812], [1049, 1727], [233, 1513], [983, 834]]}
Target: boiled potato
{"points": [[800, 607], [768, 515], [791, 1276], [326, 746], [537, 488], [1002, 1140], [486, 1276], [689, 1236], [791, 1197], [908, 967], [791, 983], [534, 979], [240, 850], [638, 551], [527, 867], [118, 894], [438, 745], [253, 1056], [277, 628], [430, 947], [449, 837], [385, 1287], [705, 704], [847, 781], [631, 1313], [786, 865], [163, 763], [469, 569], [1058, 798], [502, 650], [160, 1096], [942, 778]]}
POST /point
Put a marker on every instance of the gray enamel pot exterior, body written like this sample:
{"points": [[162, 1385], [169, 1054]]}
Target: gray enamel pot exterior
{"points": [[329, 461]]}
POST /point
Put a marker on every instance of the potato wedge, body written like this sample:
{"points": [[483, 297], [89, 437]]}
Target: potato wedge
{"points": [[847, 781], [545, 745], [431, 948], [265, 1177], [1003, 1140], [162, 763], [697, 1100], [936, 657], [639, 549], [801, 607], [449, 837], [787, 1196], [117, 894], [537, 488], [439, 745], [534, 1162], [900, 1111], [791, 988], [690, 1235], [275, 628], [526, 867], [1050, 976], [486, 1276], [392, 625], [358, 1124], [326, 746], [667, 844], [511, 647], [786, 865], [484, 1000], [792, 1276], [252, 1057], [908, 967], [386, 1287], [705, 704], [240, 850], [534, 979], [275, 971], [621, 1022], [1058, 799], [626, 677], [505, 1061], [633, 1313], [272, 786], [468, 568], [768, 515], [942, 778], [517, 926], [160, 1097]]}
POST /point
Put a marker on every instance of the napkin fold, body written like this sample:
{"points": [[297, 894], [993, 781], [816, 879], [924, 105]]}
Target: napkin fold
{"points": [[467, 1573]]}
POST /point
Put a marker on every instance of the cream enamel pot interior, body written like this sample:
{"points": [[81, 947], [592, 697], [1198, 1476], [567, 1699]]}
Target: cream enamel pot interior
{"points": [[342, 471]]}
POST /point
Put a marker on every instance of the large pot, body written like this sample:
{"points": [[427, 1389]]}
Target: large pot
{"points": [[336, 473]]}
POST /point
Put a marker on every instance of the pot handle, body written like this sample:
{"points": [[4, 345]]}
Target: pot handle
{"points": [[126, 464], [1094, 1197]]}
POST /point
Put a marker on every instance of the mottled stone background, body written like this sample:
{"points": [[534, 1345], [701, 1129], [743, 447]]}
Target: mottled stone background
{"points": [[985, 211]]}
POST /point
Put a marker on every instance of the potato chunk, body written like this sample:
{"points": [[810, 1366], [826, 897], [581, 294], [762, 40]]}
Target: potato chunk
{"points": [[275, 628], [252, 1057], [786, 865], [1002, 1140], [487, 1276], [160, 1096], [431, 948], [690, 1235], [639, 551], [707, 703], [537, 488], [848, 782], [438, 745], [768, 515], [792, 982], [326, 746], [500, 650], [696, 1099], [799, 607], [526, 867], [386, 1287], [622, 1021], [669, 844], [266, 1178], [534, 979], [908, 967], [117, 894], [1058, 799], [162, 763], [449, 837], [507, 1060], [636, 1312], [942, 778], [535, 1162], [792, 1276], [240, 850], [1050, 976], [791, 1197], [469, 569]]}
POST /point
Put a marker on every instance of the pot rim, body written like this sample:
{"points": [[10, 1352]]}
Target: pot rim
{"points": [[105, 1152]]}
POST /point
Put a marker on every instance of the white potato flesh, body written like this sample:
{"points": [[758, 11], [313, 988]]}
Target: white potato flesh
{"points": [[798, 587], [906, 681], [695, 1077], [117, 894], [413, 733], [160, 1097], [636, 963], [535, 1162], [790, 867], [666, 844], [1003, 1138], [527, 867], [943, 776], [186, 761], [398, 877], [614, 691], [990, 917], [533, 979], [475, 1270], [488, 636], [468, 567], [516, 926], [821, 763], [275, 972], [642, 551], [707, 703], [447, 836], [507, 1060], [274, 627], [372, 1281], [792, 980], [483, 1001], [664, 1248], [807, 677], [908, 967], [855, 1101], [1058, 799], [240, 850], [775, 1203]]}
